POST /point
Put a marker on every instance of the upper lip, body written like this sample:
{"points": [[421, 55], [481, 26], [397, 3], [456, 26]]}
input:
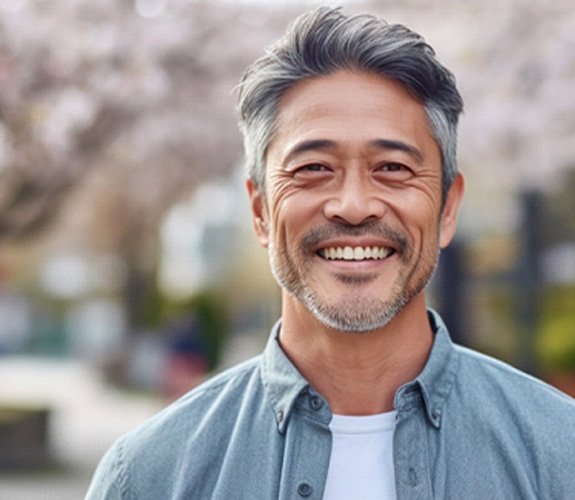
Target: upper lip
{"points": [[355, 242]]}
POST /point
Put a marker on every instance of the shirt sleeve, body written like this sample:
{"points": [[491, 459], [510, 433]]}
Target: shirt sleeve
{"points": [[106, 482]]}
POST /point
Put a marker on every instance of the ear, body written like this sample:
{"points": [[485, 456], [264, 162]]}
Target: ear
{"points": [[448, 221], [259, 213]]}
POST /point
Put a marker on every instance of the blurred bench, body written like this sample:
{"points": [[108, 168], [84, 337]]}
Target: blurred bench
{"points": [[24, 437]]}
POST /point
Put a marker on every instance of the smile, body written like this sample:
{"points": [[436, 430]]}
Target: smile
{"points": [[355, 253]]}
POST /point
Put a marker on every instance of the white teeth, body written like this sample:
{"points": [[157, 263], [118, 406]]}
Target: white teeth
{"points": [[356, 253]]}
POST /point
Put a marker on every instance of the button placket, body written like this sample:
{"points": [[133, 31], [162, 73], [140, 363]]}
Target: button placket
{"points": [[410, 448], [307, 445]]}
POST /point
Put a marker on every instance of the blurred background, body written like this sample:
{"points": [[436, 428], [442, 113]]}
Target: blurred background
{"points": [[128, 270]]}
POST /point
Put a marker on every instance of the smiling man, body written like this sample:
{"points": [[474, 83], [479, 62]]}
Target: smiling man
{"points": [[353, 216], [350, 137]]}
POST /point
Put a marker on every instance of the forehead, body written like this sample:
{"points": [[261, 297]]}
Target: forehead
{"points": [[350, 108]]}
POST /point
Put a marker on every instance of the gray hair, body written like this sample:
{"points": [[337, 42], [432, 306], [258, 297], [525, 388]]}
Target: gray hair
{"points": [[324, 41]]}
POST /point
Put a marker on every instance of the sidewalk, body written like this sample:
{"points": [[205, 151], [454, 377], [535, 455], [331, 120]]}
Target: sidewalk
{"points": [[87, 416]]}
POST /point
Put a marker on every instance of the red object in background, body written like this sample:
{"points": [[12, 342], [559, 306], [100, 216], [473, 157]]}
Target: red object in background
{"points": [[183, 372]]}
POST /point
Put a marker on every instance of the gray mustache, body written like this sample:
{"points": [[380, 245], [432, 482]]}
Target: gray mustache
{"points": [[375, 229]]}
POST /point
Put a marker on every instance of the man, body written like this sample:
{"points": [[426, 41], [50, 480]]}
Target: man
{"points": [[350, 138]]}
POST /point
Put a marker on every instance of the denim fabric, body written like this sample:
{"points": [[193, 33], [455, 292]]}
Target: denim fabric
{"points": [[468, 427]]}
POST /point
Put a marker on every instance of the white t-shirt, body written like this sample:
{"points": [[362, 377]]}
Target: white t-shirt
{"points": [[361, 463]]}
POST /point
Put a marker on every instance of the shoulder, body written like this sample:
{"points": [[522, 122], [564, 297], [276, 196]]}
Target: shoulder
{"points": [[200, 418], [504, 401], [202, 404], [189, 435], [490, 376], [507, 411]]}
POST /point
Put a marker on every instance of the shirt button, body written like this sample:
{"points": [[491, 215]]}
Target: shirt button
{"points": [[304, 489], [315, 402], [280, 416]]}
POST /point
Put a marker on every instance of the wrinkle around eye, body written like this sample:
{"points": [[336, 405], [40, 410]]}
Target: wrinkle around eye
{"points": [[282, 185]]}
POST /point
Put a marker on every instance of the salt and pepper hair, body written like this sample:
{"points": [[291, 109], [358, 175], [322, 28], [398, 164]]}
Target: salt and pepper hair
{"points": [[326, 40]]}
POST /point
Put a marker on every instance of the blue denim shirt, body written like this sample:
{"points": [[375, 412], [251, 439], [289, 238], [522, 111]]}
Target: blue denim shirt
{"points": [[468, 427]]}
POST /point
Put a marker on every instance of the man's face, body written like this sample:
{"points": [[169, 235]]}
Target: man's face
{"points": [[351, 212]]}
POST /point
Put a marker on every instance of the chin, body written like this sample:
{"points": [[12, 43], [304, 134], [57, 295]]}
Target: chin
{"points": [[355, 315]]}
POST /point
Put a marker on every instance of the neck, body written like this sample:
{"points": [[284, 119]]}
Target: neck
{"points": [[358, 373]]}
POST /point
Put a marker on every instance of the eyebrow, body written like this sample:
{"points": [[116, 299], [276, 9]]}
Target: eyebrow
{"points": [[381, 144], [393, 145], [311, 145]]}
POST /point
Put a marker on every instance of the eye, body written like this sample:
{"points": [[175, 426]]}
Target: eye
{"points": [[313, 167], [311, 171], [394, 171], [392, 167]]}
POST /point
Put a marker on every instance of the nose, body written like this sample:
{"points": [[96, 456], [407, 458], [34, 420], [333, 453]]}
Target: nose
{"points": [[355, 202]]}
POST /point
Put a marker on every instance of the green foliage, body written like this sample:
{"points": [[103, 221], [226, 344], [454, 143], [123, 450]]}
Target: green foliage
{"points": [[211, 312], [210, 308], [153, 307], [499, 338], [556, 342]]}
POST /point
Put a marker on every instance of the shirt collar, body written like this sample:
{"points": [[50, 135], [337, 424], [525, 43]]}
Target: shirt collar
{"points": [[283, 383], [437, 377]]}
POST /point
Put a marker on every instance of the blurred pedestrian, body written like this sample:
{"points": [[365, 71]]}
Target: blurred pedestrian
{"points": [[350, 139], [186, 363]]}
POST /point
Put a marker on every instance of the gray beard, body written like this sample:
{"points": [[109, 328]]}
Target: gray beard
{"points": [[354, 313], [360, 314]]}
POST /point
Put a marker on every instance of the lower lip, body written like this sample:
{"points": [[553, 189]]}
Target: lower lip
{"points": [[357, 265]]}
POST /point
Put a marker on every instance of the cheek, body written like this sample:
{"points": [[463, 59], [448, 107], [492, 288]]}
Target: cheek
{"points": [[421, 216], [418, 213]]}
